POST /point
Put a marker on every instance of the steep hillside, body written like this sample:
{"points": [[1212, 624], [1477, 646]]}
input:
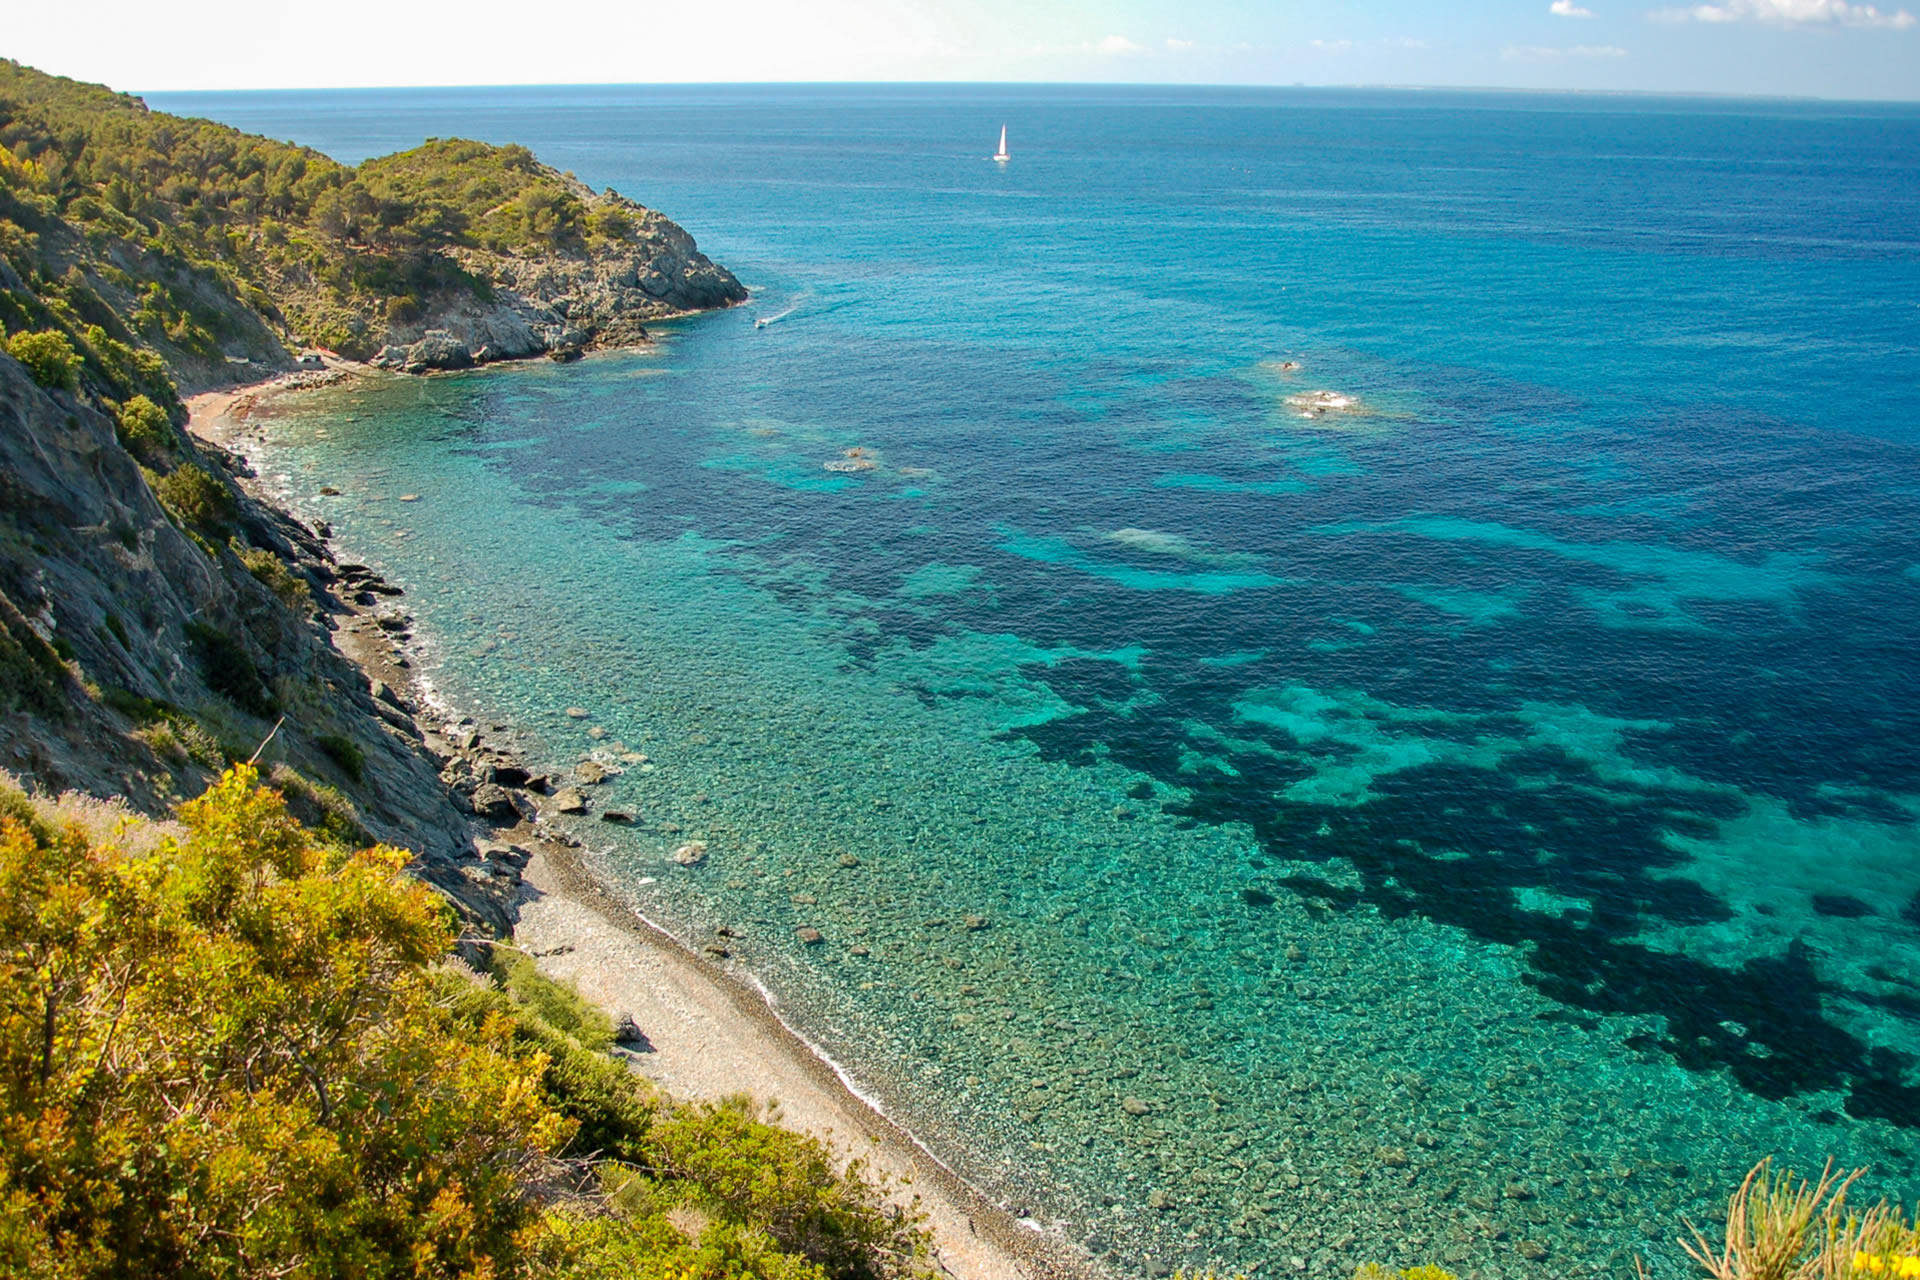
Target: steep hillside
{"points": [[220, 251], [156, 624]]}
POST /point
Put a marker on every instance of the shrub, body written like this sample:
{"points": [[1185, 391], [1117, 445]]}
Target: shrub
{"points": [[270, 569], [284, 1094], [612, 222], [49, 358], [559, 1006], [229, 671], [194, 498], [298, 1085], [320, 806], [144, 427], [344, 752]]}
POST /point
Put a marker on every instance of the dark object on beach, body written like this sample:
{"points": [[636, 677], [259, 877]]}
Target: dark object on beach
{"points": [[494, 804], [1256, 897], [628, 1035]]}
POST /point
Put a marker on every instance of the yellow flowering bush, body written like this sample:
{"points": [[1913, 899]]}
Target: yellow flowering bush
{"points": [[228, 1049]]}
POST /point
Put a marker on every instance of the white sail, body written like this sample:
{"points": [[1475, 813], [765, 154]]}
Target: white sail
{"points": [[1001, 154]]}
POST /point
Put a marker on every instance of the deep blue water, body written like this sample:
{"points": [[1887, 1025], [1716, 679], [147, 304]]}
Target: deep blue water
{"points": [[1506, 781]]}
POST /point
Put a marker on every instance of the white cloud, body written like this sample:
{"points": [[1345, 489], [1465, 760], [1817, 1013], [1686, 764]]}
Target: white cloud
{"points": [[1406, 42], [1568, 9], [1332, 46], [1178, 46], [1116, 45], [1535, 53], [1789, 13]]}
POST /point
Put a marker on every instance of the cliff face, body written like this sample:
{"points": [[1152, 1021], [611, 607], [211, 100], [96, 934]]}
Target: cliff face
{"points": [[136, 657], [562, 304]]}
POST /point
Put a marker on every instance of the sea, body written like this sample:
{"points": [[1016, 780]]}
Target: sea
{"points": [[1335, 672]]}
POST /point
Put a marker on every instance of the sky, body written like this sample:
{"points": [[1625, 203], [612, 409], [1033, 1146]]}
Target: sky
{"points": [[1811, 48]]}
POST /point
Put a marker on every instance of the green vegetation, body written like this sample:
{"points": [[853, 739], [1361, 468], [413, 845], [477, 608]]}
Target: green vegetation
{"points": [[138, 231], [228, 1049], [49, 357], [345, 753], [193, 497], [229, 671], [31, 673], [289, 587], [144, 428]]}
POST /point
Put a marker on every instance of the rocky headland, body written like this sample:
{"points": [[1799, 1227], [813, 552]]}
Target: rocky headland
{"points": [[227, 256]]}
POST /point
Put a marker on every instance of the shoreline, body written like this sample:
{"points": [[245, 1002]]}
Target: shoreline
{"points": [[707, 1034]]}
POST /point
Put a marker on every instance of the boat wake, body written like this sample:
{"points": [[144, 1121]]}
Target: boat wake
{"points": [[801, 304]]}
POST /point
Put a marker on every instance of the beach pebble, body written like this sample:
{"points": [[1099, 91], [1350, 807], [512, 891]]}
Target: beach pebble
{"points": [[691, 854], [976, 923], [809, 935], [596, 733], [1532, 1250], [1134, 1106], [858, 949], [848, 860], [590, 772], [577, 713]]}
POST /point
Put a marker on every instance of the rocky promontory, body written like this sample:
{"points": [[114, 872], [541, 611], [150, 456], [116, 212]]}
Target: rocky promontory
{"points": [[225, 254]]}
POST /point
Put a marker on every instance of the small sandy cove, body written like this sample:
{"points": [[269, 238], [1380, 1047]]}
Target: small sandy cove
{"points": [[709, 1036]]}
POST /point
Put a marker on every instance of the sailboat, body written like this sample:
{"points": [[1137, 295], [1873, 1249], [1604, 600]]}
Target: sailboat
{"points": [[1001, 154]]}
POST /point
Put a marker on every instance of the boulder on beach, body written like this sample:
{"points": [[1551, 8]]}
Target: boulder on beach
{"points": [[569, 800], [495, 803], [691, 854]]}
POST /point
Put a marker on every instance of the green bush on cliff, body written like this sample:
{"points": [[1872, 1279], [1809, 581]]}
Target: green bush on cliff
{"points": [[229, 671], [194, 498], [227, 1049], [144, 427], [49, 358], [344, 752], [272, 572]]}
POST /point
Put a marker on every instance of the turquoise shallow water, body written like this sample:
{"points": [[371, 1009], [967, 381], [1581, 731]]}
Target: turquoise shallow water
{"points": [[1395, 611]]}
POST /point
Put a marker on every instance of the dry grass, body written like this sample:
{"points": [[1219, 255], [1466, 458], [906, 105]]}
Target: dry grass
{"points": [[1784, 1228]]}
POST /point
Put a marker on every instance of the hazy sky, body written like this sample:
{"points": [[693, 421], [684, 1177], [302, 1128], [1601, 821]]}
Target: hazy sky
{"points": [[1826, 48]]}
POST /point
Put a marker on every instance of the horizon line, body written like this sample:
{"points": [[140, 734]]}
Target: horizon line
{"points": [[1297, 86]]}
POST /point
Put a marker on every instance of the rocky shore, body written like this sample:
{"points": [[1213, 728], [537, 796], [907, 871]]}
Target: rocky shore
{"points": [[688, 1023]]}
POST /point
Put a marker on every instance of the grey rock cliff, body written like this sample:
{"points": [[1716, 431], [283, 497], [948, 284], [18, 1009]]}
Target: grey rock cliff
{"points": [[120, 635]]}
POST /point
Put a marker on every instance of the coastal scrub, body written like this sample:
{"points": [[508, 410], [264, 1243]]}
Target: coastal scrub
{"points": [[229, 1048]]}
